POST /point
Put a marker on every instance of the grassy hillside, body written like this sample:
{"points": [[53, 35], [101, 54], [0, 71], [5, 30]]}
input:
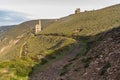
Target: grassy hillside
{"points": [[30, 52], [21, 50], [101, 62], [15, 33], [90, 22], [26, 27], [36, 45]]}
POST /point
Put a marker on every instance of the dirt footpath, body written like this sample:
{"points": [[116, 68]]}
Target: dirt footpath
{"points": [[52, 72]]}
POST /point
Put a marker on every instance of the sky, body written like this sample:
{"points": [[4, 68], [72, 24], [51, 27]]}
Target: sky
{"points": [[11, 17], [46, 9]]}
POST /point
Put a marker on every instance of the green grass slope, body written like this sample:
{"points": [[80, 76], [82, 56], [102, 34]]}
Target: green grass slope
{"points": [[23, 50], [90, 22], [12, 35], [20, 49], [25, 27], [18, 62]]}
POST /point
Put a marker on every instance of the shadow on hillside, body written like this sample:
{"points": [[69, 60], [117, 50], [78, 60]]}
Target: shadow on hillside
{"points": [[57, 54], [90, 40]]}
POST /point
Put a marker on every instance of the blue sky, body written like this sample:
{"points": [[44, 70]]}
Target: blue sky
{"points": [[40, 9], [11, 17]]}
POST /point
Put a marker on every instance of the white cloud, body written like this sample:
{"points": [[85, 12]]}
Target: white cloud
{"points": [[7, 18], [11, 18], [53, 8]]}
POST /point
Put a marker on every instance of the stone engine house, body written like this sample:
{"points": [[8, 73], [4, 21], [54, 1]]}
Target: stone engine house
{"points": [[77, 11], [38, 27]]}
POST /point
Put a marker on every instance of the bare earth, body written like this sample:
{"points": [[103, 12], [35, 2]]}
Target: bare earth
{"points": [[52, 72]]}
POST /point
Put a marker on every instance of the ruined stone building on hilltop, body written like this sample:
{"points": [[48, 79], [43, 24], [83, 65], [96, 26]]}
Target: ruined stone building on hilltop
{"points": [[38, 27]]}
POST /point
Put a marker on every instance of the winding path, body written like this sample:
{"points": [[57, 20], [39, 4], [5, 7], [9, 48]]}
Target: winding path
{"points": [[53, 71]]}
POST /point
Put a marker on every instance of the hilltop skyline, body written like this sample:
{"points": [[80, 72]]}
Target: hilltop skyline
{"points": [[46, 9], [53, 8]]}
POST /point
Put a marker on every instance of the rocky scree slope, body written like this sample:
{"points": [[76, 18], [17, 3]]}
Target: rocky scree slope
{"points": [[100, 63]]}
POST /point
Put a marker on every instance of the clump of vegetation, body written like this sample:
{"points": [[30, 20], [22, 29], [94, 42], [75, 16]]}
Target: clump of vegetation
{"points": [[104, 68], [83, 49], [86, 61], [43, 61], [15, 69], [65, 69], [51, 57], [73, 59]]}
